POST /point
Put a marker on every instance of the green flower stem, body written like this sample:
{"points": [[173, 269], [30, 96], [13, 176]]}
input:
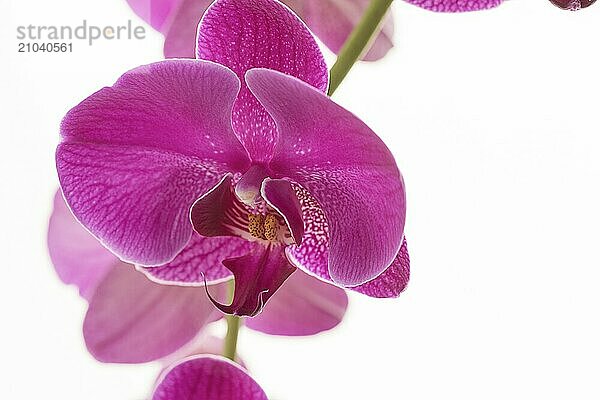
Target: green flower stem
{"points": [[357, 42], [233, 328]]}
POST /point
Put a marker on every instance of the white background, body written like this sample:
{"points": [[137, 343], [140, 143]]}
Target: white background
{"points": [[494, 120]]}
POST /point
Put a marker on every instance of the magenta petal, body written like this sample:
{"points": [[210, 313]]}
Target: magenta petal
{"points": [[280, 195], [133, 320], [135, 201], [345, 166], [455, 5], [258, 275], [219, 212], [392, 281], [313, 253], [333, 20], [180, 38], [303, 306], [78, 258], [207, 378], [200, 260], [154, 12], [135, 156], [245, 34]]}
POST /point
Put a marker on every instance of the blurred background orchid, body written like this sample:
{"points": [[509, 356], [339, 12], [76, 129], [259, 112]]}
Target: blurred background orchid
{"points": [[131, 319], [331, 21]]}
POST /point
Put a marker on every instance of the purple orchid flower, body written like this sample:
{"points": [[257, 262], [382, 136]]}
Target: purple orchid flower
{"points": [[237, 163], [133, 320], [207, 377], [331, 20]]}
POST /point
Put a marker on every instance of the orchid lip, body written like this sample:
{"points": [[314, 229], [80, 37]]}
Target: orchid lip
{"points": [[258, 275]]}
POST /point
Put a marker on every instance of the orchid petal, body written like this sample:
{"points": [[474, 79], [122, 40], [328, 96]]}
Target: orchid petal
{"points": [[345, 166], [200, 261], [219, 212], [392, 281], [154, 12], [455, 5], [134, 157], [78, 258], [180, 38], [280, 195], [207, 378], [303, 306], [133, 320], [245, 34], [258, 275], [333, 21], [313, 253]]}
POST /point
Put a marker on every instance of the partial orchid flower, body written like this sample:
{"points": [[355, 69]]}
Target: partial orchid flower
{"points": [[573, 5], [133, 320], [207, 377], [451, 6], [331, 20], [237, 163]]}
